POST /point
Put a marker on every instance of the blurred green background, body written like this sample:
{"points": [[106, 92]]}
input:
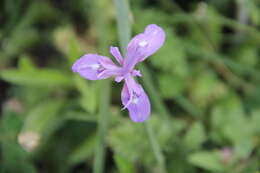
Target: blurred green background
{"points": [[204, 85]]}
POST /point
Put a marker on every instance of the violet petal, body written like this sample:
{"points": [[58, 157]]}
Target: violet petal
{"points": [[116, 53], [138, 104], [144, 45], [95, 67]]}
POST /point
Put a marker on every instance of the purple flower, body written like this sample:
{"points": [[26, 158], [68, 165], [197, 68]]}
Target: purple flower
{"points": [[133, 96]]}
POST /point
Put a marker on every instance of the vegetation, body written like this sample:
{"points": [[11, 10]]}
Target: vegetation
{"points": [[204, 85]]}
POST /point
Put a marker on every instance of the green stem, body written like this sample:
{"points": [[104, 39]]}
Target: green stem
{"points": [[100, 14], [155, 147], [153, 93], [124, 28], [102, 126]]}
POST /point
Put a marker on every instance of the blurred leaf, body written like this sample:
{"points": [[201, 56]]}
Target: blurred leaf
{"points": [[14, 158], [207, 26], [170, 85], [247, 56], [19, 41], [203, 88], [227, 120], [83, 151], [255, 121], [89, 94], [74, 47], [195, 136], [243, 149], [123, 165], [43, 117], [40, 77], [80, 116], [207, 160], [169, 60], [254, 11], [124, 141], [147, 16], [25, 64]]}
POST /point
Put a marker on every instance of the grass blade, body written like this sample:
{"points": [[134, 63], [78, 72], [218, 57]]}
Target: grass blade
{"points": [[100, 14]]}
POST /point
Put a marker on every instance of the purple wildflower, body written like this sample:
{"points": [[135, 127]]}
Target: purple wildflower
{"points": [[133, 96]]}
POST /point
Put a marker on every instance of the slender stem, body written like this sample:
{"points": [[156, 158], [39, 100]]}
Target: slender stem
{"points": [[122, 8], [153, 93], [124, 27], [101, 23], [156, 147], [102, 126]]}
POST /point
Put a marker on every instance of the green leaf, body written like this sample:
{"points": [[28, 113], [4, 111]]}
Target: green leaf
{"points": [[150, 15], [195, 136], [40, 77], [247, 55], [89, 94], [26, 64], [19, 41], [243, 149], [124, 141], [123, 165], [74, 47], [13, 157], [228, 118], [83, 151], [255, 121], [207, 160], [204, 87], [169, 60], [42, 117], [170, 85], [80, 116]]}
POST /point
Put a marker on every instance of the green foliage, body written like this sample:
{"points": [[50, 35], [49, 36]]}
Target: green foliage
{"points": [[203, 85], [83, 151], [123, 164], [172, 61], [88, 91], [40, 77], [195, 136], [208, 160], [12, 152], [176, 82], [39, 119], [137, 147]]}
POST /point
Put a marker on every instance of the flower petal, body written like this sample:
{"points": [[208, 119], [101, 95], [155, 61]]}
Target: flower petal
{"points": [[94, 67], [138, 104], [116, 53], [144, 45]]}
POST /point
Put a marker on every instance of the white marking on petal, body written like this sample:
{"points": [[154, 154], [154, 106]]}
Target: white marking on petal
{"points": [[143, 43], [95, 66], [135, 100], [92, 66], [154, 32]]}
